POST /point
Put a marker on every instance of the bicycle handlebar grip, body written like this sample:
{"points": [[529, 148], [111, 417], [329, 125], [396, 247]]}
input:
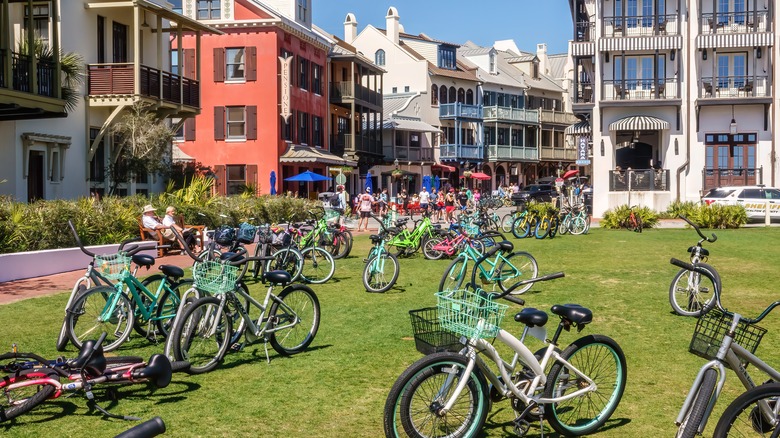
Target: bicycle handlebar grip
{"points": [[78, 240], [185, 246], [512, 299], [682, 264], [147, 429]]}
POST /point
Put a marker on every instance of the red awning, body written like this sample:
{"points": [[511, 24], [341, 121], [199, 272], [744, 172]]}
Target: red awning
{"points": [[444, 167], [480, 175], [570, 173]]}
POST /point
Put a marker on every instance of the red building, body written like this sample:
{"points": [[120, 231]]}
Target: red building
{"points": [[246, 87]]}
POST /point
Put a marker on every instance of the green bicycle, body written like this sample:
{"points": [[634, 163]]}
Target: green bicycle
{"points": [[408, 242], [381, 270], [505, 270]]}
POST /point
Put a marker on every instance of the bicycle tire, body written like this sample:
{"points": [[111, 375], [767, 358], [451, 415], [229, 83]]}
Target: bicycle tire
{"points": [[22, 400], [564, 225], [506, 222], [165, 313], [578, 226], [86, 310], [638, 225], [196, 324], [376, 281], [287, 259], [306, 307], [690, 425], [734, 423], [79, 288], [429, 252], [521, 227], [409, 405], [542, 228], [343, 244], [553, 230], [318, 265], [688, 302], [519, 266], [589, 354], [455, 274]]}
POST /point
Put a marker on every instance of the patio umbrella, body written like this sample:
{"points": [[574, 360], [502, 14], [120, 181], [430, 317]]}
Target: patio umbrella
{"points": [[369, 182], [273, 182], [426, 182], [437, 182], [308, 177], [570, 173]]}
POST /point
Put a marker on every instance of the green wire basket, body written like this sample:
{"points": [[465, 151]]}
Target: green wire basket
{"points": [[215, 277], [112, 266], [469, 313]]}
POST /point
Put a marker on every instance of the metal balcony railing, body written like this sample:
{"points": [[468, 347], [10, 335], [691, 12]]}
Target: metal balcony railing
{"points": [[510, 152], [461, 151], [408, 153], [734, 86], [644, 180], [583, 92], [343, 90], [460, 111], [641, 89], [510, 114], [736, 22], [584, 31], [641, 25], [119, 79]]}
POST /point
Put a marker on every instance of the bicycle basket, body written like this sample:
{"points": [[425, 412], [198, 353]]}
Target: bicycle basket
{"points": [[332, 214], [429, 337], [470, 314], [281, 238], [112, 266], [225, 235], [712, 327], [214, 277], [246, 233]]}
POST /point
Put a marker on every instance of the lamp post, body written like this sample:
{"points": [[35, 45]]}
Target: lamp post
{"points": [[395, 163]]}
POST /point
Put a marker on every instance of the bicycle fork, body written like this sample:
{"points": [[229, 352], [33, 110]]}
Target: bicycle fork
{"points": [[687, 405]]}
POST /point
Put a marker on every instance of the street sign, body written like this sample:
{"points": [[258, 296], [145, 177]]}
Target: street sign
{"points": [[582, 162], [341, 178], [558, 182], [582, 151]]}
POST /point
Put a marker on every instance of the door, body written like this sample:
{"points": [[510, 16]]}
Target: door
{"points": [[119, 42], [35, 176], [730, 165]]}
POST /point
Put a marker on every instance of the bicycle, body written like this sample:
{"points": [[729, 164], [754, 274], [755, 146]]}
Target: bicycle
{"points": [[507, 269], [449, 242], [726, 339], [690, 294], [408, 242], [448, 393], [376, 276], [203, 332], [524, 223], [318, 264], [547, 225], [634, 221]]}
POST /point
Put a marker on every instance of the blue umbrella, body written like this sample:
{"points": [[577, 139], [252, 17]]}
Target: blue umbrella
{"points": [[436, 182], [273, 182], [308, 176], [369, 182], [427, 182]]}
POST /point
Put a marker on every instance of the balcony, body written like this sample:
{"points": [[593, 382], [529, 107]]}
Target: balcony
{"points": [[584, 31], [21, 93], [641, 89], [512, 153], [712, 178], [356, 143], [460, 111], [348, 90], [461, 152], [734, 87], [583, 92], [736, 22], [507, 114], [641, 25], [644, 180], [118, 81], [408, 153], [555, 154], [557, 117]]}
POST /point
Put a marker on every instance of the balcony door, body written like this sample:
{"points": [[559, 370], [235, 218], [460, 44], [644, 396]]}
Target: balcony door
{"points": [[730, 160], [638, 13], [732, 71], [119, 38], [731, 12]]}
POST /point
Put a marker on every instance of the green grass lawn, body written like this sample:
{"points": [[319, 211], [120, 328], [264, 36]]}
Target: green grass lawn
{"points": [[337, 388]]}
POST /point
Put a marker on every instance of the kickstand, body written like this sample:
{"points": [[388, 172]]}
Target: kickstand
{"points": [[267, 357], [93, 405]]}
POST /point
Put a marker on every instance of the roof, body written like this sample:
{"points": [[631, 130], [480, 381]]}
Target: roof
{"points": [[457, 74], [341, 49], [557, 65], [521, 58], [296, 153], [397, 102], [408, 124], [177, 155], [411, 51]]}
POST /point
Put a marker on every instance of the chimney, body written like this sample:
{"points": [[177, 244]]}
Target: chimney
{"points": [[350, 28], [541, 53], [393, 24]]}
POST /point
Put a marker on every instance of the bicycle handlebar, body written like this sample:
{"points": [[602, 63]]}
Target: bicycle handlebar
{"points": [[147, 429], [696, 227], [184, 245], [129, 252]]}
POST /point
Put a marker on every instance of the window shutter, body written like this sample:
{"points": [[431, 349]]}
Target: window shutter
{"points": [[189, 129], [251, 122], [189, 63], [251, 176], [219, 123], [221, 182], [250, 53], [219, 64]]}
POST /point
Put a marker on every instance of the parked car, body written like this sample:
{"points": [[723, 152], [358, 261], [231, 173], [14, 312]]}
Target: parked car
{"points": [[753, 198], [536, 192]]}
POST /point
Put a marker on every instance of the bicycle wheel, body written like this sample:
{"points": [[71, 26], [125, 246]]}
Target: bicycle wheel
{"points": [[745, 416], [517, 267], [202, 335], [380, 273], [318, 265], [411, 408], [602, 360], [565, 224], [690, 425], [638, 224], [553, 227], [78, 289], [521, 227], [168, 305], [542, 228], [17, 401], [343, 244], [455, 275], [691, 293], [506, 222], [287, 259], [578, 225], [429, 252], [295, 321], [89, 317]]}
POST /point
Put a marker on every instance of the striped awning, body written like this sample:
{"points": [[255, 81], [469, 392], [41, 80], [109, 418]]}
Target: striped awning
{"points": [[639, 123], [663, 42], [579, 128], [582, 48], [297, 153], [727, 40]]}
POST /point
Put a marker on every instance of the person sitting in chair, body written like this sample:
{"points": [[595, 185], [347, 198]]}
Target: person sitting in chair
{"points": [[152, 222], [170, 221]]}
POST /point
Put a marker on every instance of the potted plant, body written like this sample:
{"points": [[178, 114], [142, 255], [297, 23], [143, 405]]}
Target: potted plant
{"points": [[334, 171], [467, 174], [397, 174], [346, 170]]}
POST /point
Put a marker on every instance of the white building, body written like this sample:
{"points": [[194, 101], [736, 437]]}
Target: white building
{"points": [[679, 92]]}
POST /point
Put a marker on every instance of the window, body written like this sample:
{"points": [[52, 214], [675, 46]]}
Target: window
{"points": [[379, 57], [179, 134], [488, 98], [303, 78], [461, 95], [40, 18], [447, 57], [175, 61], [732, 68], [316, 130], [303, 127], [443, 94], [414, 139], [434, 94], [492, 63], [406, 89], [395, 90], [176, 5], [303, 7], [452, 92], [236, 179], [469, 97], [101, 39], [236, 122], [234, 64], [316, 79], [287, 128], [209, 9]]}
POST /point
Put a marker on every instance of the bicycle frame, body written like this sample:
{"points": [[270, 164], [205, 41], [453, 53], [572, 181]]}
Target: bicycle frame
{"points": [[491, 274], [262, 326], [137, 289], [411, 238], [117, 374]]}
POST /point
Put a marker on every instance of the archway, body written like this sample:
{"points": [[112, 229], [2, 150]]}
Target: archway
{"points": [[486, 186], [501, 176]]}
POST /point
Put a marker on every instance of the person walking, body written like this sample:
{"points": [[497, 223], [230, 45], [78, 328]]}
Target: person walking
{"points": [[449, 203], [365, 204], [425, 199]]}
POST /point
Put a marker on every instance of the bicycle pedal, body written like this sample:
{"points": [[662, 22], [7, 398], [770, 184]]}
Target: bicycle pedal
{"points": [[237, 347], [521, 427]]}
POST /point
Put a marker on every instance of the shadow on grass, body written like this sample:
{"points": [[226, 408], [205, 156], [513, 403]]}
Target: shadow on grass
{"points": [[508, 428], [258, 355], [48, 411]]}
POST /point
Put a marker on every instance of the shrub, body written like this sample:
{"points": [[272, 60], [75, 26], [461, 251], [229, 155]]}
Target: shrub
{"points": [[719, 216], [678, 208], [615, 218]]}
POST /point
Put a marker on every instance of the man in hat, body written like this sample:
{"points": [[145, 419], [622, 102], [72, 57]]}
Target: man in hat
{"points": [[152, 222]]}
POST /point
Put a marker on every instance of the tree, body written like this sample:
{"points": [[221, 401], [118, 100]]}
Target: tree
{"points": [[71, 70]]}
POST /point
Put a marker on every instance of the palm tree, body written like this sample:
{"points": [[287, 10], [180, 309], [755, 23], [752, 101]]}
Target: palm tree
{"points": [[71, 70]]}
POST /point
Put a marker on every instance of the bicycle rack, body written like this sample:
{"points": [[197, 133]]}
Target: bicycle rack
{"points": [[184, 298]]}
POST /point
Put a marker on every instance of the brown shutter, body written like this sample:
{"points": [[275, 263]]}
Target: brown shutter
{"points": [[251, 122], [251, 176], [189, 63], [251, 63], [219, 64], [219, 123], [221, 183], [189, 129]]}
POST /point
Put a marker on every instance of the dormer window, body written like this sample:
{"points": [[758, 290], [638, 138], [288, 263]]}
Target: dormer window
{"points": [[447, 57], [303, 8], [379, 57], [493, 65], [536, 69]]}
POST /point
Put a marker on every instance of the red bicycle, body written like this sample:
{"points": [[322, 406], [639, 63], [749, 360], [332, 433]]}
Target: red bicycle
{"points": [[634, 221]]}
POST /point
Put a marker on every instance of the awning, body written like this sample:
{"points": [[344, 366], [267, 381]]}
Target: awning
{"points": [[579, 128], [178, 155], [478, 175], [639, 123], [408, 124], [751, 39], [296, 153], [443, 167]]}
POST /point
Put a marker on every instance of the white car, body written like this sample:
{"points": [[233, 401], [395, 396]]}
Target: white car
{"points": [[753, 198]]}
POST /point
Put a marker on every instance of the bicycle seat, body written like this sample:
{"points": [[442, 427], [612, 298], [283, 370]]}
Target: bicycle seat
{"points": [[174, 272], [531, 317], [93, 366], [394, 230], [573, 312], [143, 260], [506, 246], [702, 251], [228, 255], [375, 238], [277, 277], [158, 370]]}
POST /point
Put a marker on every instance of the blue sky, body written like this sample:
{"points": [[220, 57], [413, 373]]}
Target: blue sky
{"points": [[528, 22]]}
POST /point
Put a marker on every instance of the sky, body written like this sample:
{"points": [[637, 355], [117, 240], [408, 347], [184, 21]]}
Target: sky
{"points": [[528, 22]]}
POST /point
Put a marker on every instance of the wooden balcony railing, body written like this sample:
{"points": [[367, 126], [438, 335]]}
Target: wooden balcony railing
{"points": [[641, 25], [734, 86], [550, 116], [460, 111], [408, 153], [461, 151], [119, 79], [552, 153], [641, 89], [646, 180], [511, 114], [21, 71], [736, 22], [507, 152], [343, 90]]}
